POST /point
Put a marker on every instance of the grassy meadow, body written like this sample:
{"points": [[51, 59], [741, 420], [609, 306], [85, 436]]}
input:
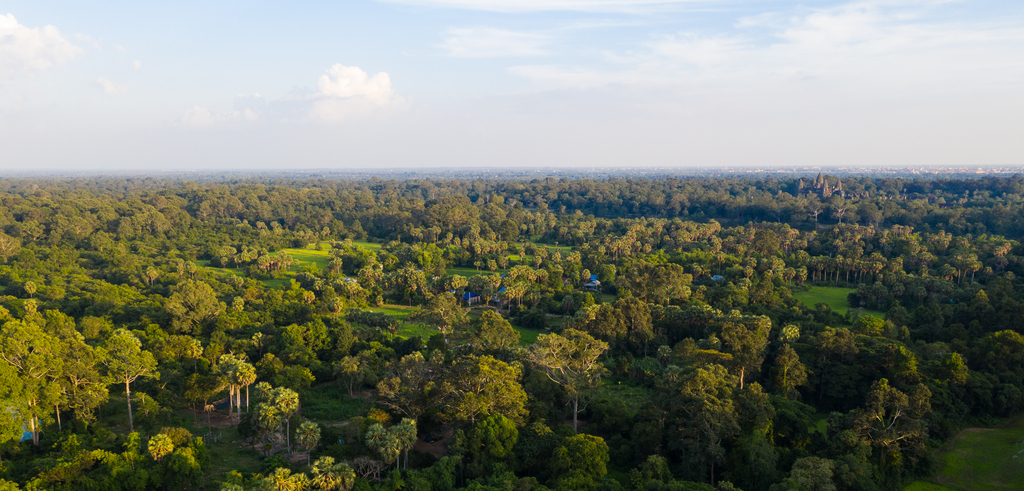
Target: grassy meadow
{"points": [[834, 296], [984, 459]]}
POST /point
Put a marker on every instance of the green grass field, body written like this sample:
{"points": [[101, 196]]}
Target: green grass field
{"points": [[369, 245], [205, 263], [307, 257], [984, 459], [528, 336], [821, 423], [413, 329], [834, 296], [399, 311], [467, 272]]}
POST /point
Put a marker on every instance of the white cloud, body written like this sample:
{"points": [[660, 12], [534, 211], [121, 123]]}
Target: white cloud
{"points": [[120, 48], [621, 6], [878, 45], [26, 50], [347, 82], [343, 93], [136, 64], [201, 117], [483, 42], [346, 91], [111, 88]]}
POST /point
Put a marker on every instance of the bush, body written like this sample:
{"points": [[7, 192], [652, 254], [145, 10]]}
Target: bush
{"points": [[533, 319], [331, 403], [420, 460], [272, 463]]}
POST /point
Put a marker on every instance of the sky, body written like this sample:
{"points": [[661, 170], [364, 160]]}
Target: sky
{"points": [[505, 84]]}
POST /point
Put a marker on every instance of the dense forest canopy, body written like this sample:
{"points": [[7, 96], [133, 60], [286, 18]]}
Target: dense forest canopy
{"points": [[438, 334]]}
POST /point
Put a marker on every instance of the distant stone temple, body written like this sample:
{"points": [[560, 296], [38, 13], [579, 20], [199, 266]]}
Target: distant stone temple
{"points": [[821, 187]]}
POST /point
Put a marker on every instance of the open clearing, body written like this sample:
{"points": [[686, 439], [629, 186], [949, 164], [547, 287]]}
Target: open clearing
{"points": [[307, 257], [834, 296], [980, 459]]}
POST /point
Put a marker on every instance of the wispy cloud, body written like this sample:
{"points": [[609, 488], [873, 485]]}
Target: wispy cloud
{"points": [[485, 42], [111, 88], [604, 6], [863, 43]]}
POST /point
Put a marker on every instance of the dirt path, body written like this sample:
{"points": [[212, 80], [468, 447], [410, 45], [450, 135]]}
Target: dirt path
{"points": [[437, 448]]}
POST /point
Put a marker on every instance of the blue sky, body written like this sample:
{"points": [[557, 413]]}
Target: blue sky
{"points": [[470, 83]]}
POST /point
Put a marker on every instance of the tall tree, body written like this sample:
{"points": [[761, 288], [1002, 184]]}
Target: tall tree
{"points": [[570, 360], [308, 436], [383, 442], [407, 386], [126, 362], [245, 376], [405, 433], [494, 333], [891, 419], [227, 367], [443, 312], [788, 373], [478, 386], [745, 337], [286, 403], [35, 357], [702, 400], [191, 304]]}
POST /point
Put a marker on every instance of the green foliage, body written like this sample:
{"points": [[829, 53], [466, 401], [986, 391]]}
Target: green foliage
{"points": [[834, 297], [983, 459], [218, 285], [331, 403], [579, 462]]}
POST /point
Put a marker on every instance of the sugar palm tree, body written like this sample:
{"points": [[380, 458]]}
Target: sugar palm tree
{"points": [[287, 403], [383, 442], [245, 375], [309, 436], [160, 446], [405, 434], [331, 476]]}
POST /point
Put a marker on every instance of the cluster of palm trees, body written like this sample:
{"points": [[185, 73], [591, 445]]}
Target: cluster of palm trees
{"points": [[390, 443], [238, 373], [275, 408], [327, 475]]}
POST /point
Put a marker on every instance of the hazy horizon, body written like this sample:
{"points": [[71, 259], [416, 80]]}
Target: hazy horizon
{"points": [[477, 84]]}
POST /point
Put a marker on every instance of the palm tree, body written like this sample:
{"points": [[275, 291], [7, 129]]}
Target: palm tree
{"points": [[227, 366], [245, 375], [286, 401], [329, 476], [160, 446], [405, 434], [283, 480], [309, 436], [383, 442]]}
